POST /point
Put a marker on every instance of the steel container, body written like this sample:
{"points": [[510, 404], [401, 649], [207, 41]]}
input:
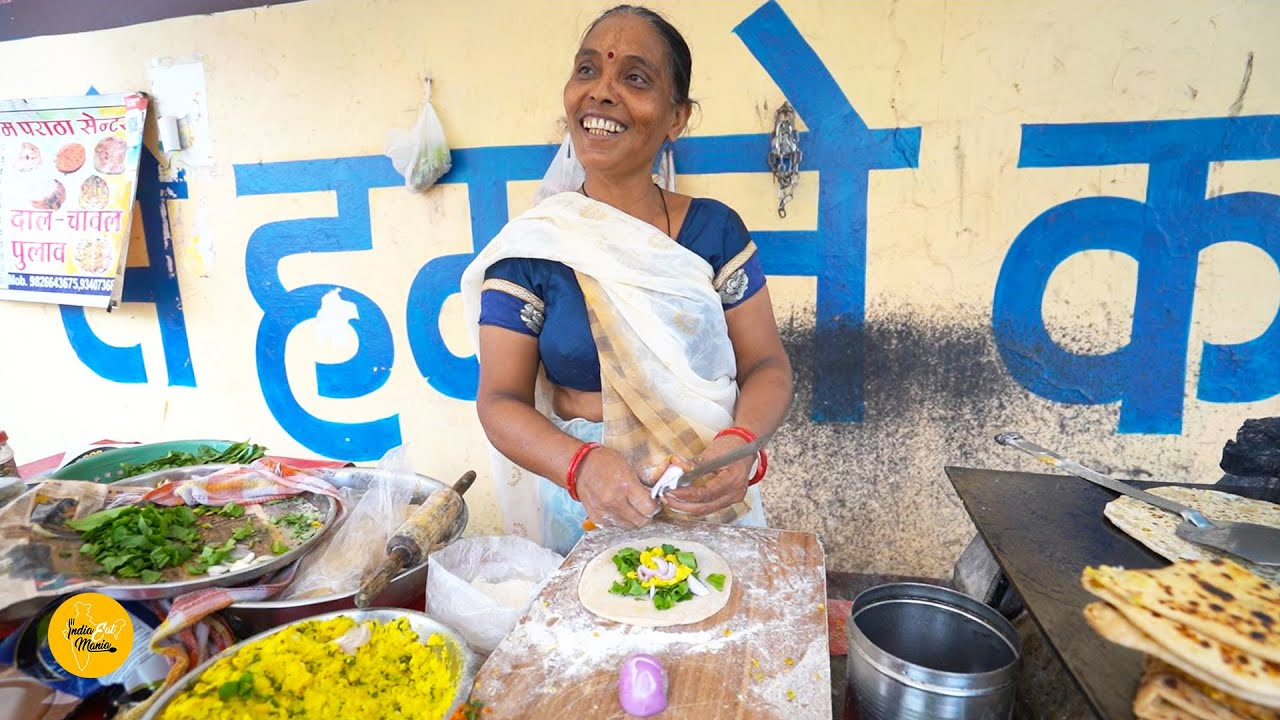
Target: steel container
{"points": [[924, 652]]}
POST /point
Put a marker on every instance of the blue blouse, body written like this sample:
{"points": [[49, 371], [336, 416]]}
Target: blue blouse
{"points": [[542, 298]]}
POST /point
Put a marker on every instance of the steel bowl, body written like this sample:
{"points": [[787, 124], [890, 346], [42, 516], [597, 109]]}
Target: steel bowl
{"points": [[423, 625], [408, 589]]}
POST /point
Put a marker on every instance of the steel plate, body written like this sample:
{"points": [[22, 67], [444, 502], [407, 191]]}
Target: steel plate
{"points": [[420, 623]]}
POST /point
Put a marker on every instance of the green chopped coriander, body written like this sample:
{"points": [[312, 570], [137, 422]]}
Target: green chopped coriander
{"points": [[244, 531], [300, 525], [240, 687]]}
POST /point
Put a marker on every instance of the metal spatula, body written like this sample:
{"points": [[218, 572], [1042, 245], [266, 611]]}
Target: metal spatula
{"points": [[1256, 543]]}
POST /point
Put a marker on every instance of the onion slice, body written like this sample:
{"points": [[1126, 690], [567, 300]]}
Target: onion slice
{"points": [[696, 587]]}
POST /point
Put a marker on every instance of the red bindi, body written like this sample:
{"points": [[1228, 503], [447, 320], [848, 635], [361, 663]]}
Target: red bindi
{"points": [[610, 54]]}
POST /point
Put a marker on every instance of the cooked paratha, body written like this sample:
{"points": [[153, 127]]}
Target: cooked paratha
{"points": [[1218, 598], [1163, 683], [1202, 658], [1156, 528], [1159, 709]]}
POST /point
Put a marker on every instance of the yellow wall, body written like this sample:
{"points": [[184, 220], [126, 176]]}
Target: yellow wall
{"points": [[326, 79]]}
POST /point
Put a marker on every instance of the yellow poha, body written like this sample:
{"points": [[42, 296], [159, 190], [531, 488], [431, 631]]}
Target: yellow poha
{"points": [[302, 672]]}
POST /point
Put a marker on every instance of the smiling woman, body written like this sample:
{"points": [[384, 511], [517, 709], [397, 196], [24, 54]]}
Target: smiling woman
{"points": [[628, 93], [621, 327]]}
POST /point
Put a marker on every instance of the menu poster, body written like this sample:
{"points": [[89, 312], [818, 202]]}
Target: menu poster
{"points": [[68, 176]]}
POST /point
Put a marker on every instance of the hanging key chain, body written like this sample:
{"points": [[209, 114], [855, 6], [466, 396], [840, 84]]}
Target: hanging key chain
{"points": [[785, 155]]}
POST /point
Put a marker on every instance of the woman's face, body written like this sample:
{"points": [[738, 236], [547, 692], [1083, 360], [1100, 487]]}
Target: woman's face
{"points": [[618, 98]]}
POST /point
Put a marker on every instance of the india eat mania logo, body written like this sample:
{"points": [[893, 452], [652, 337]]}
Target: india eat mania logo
{"points": [[90, 635]]}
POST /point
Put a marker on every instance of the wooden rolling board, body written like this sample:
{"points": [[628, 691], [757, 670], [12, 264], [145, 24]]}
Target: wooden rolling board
{"points": [[765, 655]]}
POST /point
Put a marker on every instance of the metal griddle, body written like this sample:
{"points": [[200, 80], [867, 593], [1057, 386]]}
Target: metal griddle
{"points": [[1044, 530]]}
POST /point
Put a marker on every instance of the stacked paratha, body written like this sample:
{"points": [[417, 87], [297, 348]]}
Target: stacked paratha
{"points": [[1213, 626], [1167, 693]]}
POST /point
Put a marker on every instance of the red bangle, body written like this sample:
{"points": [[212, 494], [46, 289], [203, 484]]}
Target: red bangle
{"points": [[749, 436], [571, 479]]}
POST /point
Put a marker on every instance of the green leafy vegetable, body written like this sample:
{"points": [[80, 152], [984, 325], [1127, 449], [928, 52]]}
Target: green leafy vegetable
{"points": [[139, 541], [211, 555], [244, 531], [664, 598], [279, 548], [716, 580], [231, 510], [92, 522], [241, 687], [302, 525], [628, 586], [241, 453], [626, 560]]}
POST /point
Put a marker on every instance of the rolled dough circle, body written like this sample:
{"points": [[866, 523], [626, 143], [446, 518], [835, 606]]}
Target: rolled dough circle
{"points": [[600, 574]]}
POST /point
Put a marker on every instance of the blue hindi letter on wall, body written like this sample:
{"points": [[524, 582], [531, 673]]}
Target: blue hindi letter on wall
{"points": [[1165, 236], [155, 283]]}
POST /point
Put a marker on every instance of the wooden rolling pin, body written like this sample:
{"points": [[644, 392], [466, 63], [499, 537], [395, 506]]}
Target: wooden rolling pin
{"points": [[416, 536]]}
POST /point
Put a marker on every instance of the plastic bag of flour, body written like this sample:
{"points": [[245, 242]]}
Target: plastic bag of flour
{"points": [[421, 155], [480, 586]]}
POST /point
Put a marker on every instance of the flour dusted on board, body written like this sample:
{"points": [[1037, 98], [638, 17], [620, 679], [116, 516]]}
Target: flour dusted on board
{"points": [[573, 647]]}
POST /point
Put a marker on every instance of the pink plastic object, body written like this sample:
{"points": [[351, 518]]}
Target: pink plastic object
{"points": [[642, 686]]}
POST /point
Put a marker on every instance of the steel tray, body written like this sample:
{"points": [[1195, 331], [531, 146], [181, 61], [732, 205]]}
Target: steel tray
{"points": [[327, 506]]}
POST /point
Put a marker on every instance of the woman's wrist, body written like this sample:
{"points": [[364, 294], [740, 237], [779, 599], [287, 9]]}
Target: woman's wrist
{"points": [[575, 464], [762, 458], [737, 431]]}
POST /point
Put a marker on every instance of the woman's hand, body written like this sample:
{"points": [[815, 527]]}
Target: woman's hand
{"points": [[713, 492], [612, 492]]}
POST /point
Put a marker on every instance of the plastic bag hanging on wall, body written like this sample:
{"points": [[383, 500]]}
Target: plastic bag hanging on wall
{"points": [[785, 155], [421, 155]]}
